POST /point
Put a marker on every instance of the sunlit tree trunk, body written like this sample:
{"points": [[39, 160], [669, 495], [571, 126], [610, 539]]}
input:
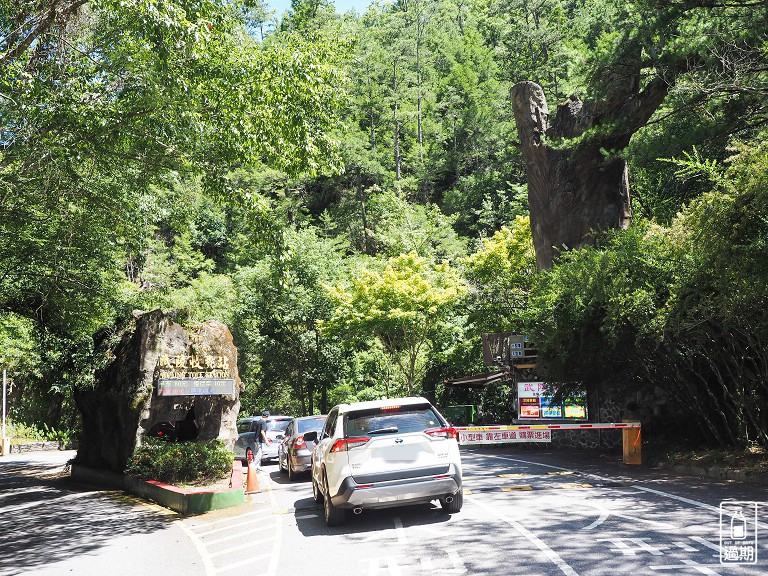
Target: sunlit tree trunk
{"points": [[577, 187]]}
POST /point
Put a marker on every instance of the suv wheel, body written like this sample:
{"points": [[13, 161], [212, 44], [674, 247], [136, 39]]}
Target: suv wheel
{"points": [[316, 494], [333, 516], [454, 505]]}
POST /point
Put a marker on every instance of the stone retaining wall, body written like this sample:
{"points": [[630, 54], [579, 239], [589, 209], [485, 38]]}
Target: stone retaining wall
{"points": [[36, 447]]}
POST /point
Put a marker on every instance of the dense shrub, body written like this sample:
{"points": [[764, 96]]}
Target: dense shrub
{"points": [[180, 462], [683, 308]]}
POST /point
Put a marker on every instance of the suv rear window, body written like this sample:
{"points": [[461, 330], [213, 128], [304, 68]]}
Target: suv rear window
{"points": [[279, 425], [314, 424], [397, 420]]}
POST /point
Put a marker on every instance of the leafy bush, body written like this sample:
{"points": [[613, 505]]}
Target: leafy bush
{"points": [[180, 462], [21, 433]]}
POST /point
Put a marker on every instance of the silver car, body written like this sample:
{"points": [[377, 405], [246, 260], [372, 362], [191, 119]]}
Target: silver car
{"points": [[246, 439], [294, 453]]}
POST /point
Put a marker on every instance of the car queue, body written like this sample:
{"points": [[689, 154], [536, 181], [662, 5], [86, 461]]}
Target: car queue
{"points": [[364, 455]]}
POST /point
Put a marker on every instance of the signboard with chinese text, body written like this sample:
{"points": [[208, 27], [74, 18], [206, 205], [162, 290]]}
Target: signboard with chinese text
{"points": [[738, 532], [194, 375], [480, 436], [195, 386], [536, 402]]}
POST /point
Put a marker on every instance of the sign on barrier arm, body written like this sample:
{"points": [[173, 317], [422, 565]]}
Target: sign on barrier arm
{"points": [[469, 435]]}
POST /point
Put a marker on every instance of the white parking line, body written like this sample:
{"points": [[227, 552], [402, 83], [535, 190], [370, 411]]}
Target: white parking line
{"points": [[237, 535], [254, 520], [245, 546], [241, 563], [689, 564]]}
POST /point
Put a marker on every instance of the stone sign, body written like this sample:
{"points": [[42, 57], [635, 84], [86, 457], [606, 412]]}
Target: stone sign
{"points": [[158, 374]]}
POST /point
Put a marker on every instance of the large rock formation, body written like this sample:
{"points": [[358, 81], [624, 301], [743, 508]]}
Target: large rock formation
{"points": [[150, 379]]}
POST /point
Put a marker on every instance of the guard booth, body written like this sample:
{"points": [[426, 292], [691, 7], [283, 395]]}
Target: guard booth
{"points": [[512, 357]]}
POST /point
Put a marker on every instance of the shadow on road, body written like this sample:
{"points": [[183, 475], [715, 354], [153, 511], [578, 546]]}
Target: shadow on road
{"points": [[46, 518]]}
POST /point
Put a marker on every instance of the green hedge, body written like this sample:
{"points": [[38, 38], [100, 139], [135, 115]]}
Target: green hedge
{"points": [[180, 462]]}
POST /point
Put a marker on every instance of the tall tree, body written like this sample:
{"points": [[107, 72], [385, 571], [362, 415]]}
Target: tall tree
{"points": [[405, 306], [577, 178]]}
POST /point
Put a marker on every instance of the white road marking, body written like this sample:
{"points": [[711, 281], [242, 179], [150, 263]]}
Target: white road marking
{"points": [[458, 563], [393, 568], [427, 530], [307, 516], [685, 547], [604, 514], [708, 544], [49, 501], [254, 520], [551, 555], [689, 564], [634, 486], [402, 537], [241, 563], [237, 535], [640, 545], [275, 557], [248, 544], [207, 564]]}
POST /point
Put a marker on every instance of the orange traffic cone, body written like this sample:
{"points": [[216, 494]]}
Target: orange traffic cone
{"points": [[252, 480]]}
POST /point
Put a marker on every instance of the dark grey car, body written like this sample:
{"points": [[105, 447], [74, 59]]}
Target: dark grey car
{"points": [[294, 454]]}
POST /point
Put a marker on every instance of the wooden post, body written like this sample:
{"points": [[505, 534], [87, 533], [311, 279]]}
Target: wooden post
{"points": [[632, 444]]}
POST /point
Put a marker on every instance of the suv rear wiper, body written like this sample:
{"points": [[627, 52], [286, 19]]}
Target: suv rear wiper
{"points": [[388, 430]]}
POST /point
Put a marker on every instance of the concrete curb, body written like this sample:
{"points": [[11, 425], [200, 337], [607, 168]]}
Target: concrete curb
{"points": [[185, 501], [717, 473]]}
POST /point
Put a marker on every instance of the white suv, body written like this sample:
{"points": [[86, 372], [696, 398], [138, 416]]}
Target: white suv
{"points": [[385, 453]]}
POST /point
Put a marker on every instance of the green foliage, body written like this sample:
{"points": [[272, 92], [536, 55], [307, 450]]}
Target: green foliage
{"points": [[175, 462], [186, 155], [596, 313], [115, 117], [682, 307], [405, 306], [501, 274], [21, 433]]}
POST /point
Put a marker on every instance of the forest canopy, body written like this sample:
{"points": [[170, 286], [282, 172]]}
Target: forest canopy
{"points": [[349, 193]]}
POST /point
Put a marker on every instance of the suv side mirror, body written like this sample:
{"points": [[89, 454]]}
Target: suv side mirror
{"points": [[310, 436]]}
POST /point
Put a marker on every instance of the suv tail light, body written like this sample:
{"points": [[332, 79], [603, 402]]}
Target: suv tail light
{"points": [[344, 444], [443, 433], [299, 444]]}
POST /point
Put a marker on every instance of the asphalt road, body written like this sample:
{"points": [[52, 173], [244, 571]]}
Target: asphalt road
{"points": [[525, 512], [50, 526]]}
